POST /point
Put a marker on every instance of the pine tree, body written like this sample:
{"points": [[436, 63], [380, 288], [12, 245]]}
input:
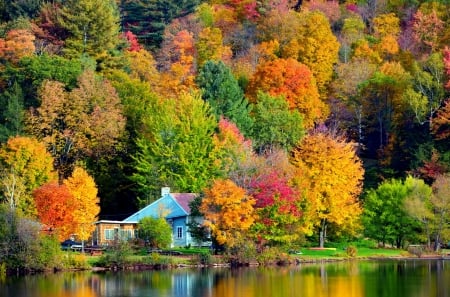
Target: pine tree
{"points": [[147, 19], [11, 112], [93, 27], [222, 91]]}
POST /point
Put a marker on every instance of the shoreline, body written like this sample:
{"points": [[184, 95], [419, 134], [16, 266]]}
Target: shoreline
{"points": [[294, 262]]}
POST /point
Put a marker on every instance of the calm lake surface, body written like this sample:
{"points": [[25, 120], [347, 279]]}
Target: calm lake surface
{"points": [[410, 278]]}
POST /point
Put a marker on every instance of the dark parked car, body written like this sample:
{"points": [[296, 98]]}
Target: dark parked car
{"points": [[68, 244]]}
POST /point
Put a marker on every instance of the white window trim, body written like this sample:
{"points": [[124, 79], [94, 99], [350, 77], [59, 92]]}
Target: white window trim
{"points": [[179, 234]]}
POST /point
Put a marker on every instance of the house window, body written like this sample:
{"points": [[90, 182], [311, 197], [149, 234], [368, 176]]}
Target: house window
{"points": [[179, 232], [125, 234], [109, 234]]}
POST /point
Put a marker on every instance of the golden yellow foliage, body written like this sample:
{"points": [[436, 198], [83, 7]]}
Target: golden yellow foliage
{"points": [[330, 176], [83, 188], [25, 165], [228, 211]]}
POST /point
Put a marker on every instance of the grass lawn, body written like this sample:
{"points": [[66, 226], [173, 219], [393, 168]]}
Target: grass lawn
{"points": [[339, 253]]}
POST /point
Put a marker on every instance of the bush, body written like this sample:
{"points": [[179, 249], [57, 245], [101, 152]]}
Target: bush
{"points": [[351, 251], [117, 255], [204, 258], [73, 260], [417, 250], [156, 231], [242, 252], [157, 259], [50, 254], [272, 255]]}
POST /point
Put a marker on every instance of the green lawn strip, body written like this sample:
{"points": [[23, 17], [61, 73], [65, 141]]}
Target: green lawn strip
{"points": [[339, 253]]}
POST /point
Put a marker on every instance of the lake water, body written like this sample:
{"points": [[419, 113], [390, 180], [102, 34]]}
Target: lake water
{"points": [[410, 278]]}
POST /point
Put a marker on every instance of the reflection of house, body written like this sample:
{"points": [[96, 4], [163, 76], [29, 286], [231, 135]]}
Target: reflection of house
{"points": [[174, 207]]}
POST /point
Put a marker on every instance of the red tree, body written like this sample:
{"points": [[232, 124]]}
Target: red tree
{"points": [[55, 205]]}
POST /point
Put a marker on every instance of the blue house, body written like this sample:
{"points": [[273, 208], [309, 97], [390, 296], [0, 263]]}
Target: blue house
{"points": [[174, 207]]}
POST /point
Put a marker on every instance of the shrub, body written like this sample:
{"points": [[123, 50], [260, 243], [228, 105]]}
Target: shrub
{"points": [[74, 260], [50, 254], [271, 255], [417, 250], [156, 231], [242, 252], [351, 251], [157, 259], [204, 258], [120, 252]]}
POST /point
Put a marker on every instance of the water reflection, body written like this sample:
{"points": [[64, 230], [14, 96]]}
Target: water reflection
{"points": [[359, 279]]}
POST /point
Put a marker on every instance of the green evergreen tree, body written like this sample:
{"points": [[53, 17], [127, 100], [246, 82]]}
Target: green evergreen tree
{"points": [[222, 91], [11, 112], [13, 9], [147, 19], [93, 27]]}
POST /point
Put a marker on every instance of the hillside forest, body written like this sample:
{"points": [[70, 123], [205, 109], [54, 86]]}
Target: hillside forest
{"points": [[294, 121]]}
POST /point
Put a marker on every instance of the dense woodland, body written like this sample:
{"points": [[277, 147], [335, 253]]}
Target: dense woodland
{"points": [[293, 120]]}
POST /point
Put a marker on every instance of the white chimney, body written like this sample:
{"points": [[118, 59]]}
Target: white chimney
{"points": [[165, 191]]}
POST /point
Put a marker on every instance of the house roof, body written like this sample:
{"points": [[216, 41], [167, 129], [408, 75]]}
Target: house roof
{"points": [[171, 205], [184, 199], [111, 222]]}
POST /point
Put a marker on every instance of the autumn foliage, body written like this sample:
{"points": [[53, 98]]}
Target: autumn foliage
{"points": [[16, 45], [55, 206], [84, 191], [295, 82], [229, 212], [330, 175], [278, 205], [69, 208]]}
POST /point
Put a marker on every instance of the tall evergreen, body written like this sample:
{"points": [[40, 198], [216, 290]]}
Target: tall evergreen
{"points": [[13, 9], [93, 27], [147, 19], [11, 112], [222, 91]]}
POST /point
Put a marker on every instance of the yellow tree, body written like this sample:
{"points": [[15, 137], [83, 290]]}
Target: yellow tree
{"points": [[317, 47], [83, 188], [228, 211], [305, 36], [143, 66], [387, 29], [210, 46], [330, 176], [25, 165]]}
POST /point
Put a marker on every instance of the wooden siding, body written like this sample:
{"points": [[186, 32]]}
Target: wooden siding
{"points": [[106, 232]]}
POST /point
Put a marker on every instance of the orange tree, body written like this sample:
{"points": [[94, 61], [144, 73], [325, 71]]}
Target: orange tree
{"points": [[295, 82], [55, 205], [228, 212]]}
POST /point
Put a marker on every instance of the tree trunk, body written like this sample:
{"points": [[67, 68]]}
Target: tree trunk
{"points": [[437, 244], [322, 233]]}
